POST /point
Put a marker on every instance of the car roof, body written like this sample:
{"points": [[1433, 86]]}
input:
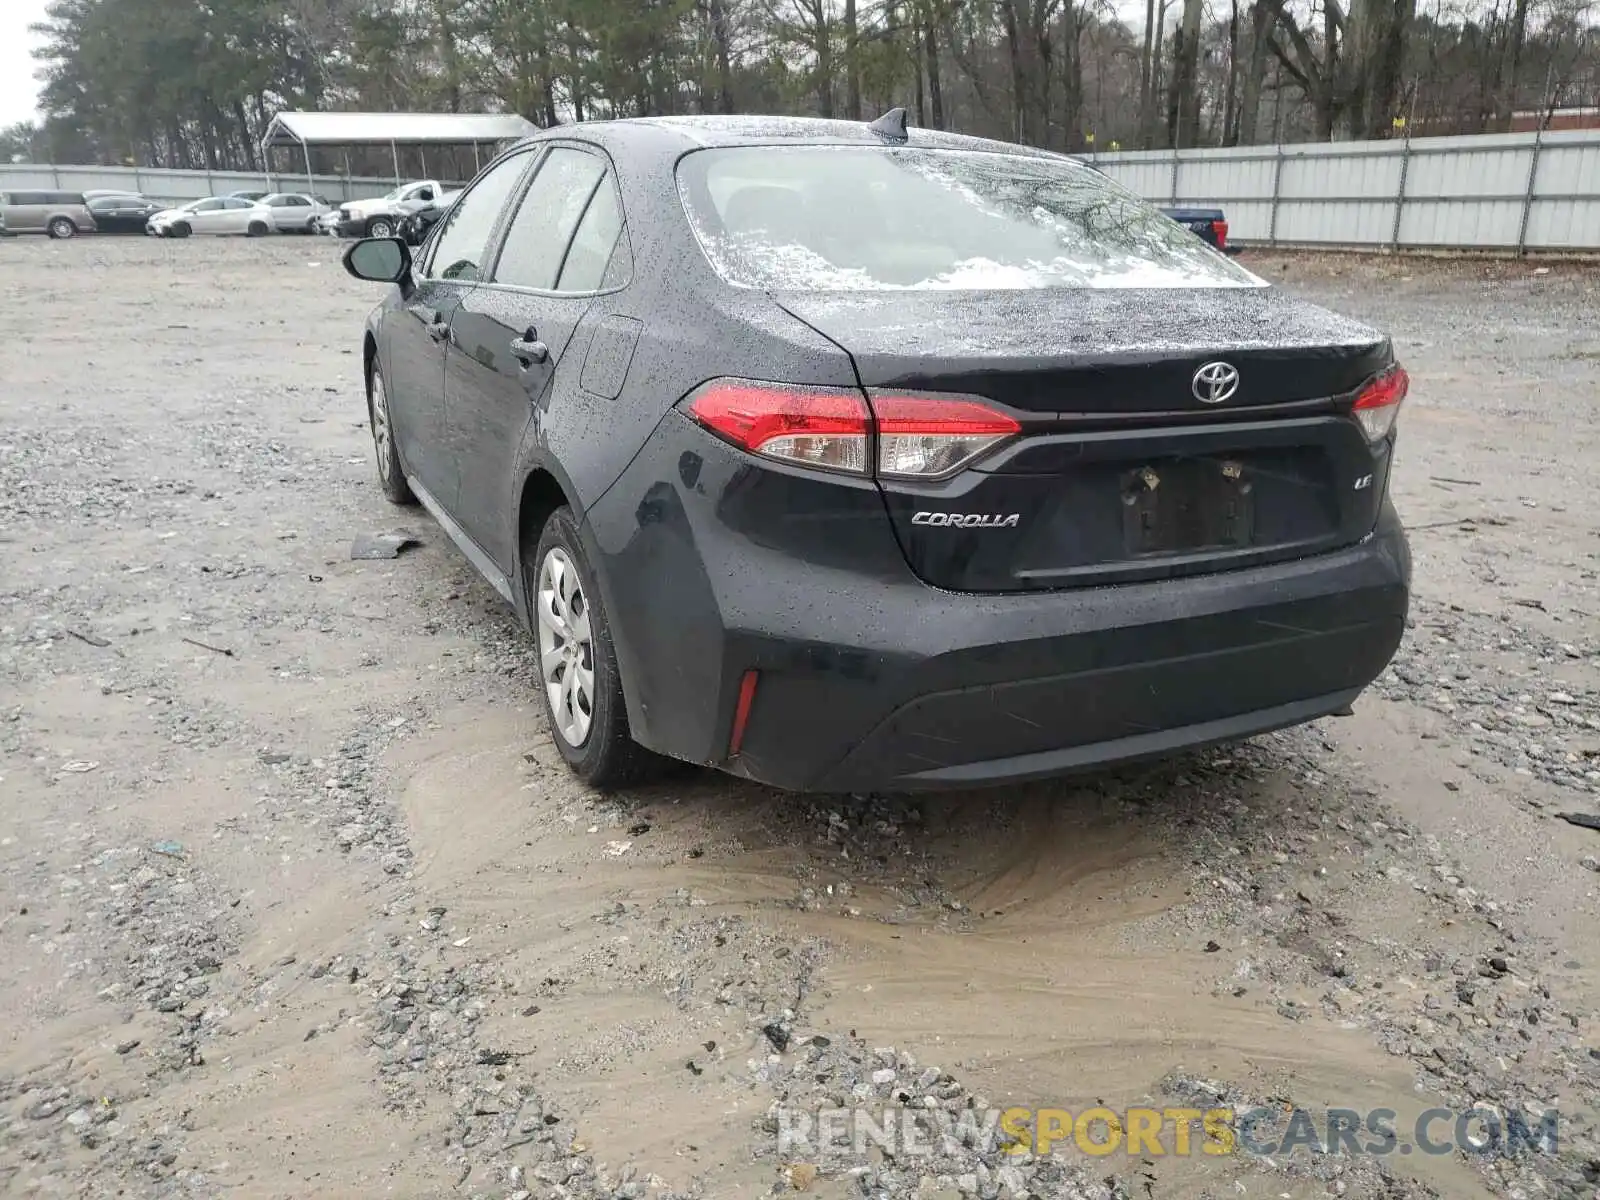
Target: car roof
{"points": [[705, 131]]}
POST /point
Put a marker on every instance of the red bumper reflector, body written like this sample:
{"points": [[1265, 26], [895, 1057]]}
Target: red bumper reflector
{"points": [[741, 713]]}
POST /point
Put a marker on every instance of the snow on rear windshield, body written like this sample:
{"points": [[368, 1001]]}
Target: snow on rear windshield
{"points": [[846, 218]]}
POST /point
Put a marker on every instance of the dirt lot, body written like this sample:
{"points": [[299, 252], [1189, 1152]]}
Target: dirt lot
{"points": [[299, 900]]}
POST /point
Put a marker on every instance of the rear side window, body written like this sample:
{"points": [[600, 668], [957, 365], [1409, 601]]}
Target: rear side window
{"points": [[536, 243], [847, 218], [593, 243], [24, 198], [67, 198]]}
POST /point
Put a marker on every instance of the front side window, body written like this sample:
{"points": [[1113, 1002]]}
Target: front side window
{"points": [[201, 206], [463, 237], [847, 218], [537, 241]]}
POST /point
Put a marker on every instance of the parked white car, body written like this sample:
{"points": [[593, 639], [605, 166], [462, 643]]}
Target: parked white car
{"points": [[295, 212], [218, 214]]}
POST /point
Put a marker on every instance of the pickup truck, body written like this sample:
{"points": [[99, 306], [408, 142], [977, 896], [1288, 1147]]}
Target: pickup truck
{"points": [[1209, 223], [380, 215]]}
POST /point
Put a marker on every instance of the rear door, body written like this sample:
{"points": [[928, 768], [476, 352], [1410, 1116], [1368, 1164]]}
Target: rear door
{"points": [[290, 212], [236, 216], [512, 333], [418, 332]]}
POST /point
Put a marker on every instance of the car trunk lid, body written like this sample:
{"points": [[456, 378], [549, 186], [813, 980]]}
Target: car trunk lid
{"points": [[1083, 352], [1129, 464]]}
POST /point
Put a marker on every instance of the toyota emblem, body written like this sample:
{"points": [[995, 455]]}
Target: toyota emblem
{"points": [[1215, 382]]}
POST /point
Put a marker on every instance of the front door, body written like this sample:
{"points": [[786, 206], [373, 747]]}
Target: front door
{"points": [[413, 378], [209, 216], [419, 333], [512, 332]]}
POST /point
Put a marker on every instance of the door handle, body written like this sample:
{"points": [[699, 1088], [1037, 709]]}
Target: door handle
{"points": [[529, 350], [438, 327]]}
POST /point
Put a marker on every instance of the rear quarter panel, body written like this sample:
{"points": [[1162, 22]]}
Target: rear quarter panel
{"points": [[687, 327]]}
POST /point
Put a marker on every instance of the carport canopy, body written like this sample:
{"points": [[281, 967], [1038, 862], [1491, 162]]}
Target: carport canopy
{"points": [[391, 129]]}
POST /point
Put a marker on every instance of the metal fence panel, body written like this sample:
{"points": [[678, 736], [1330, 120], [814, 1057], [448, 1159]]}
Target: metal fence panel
{"points": [[1497, 191], [1507, 191]]}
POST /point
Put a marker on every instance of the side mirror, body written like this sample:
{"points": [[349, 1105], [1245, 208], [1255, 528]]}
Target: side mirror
{"points": [[381, 260]]}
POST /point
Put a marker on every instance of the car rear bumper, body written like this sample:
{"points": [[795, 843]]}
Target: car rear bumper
{"points": [[870, 679]]}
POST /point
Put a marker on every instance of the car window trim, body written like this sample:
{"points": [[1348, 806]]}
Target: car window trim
{"points": [[609, 174], [534, 154]]}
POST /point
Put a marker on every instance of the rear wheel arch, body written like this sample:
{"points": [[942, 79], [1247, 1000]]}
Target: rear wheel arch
{"points": [[542, 493], [546, 488]]}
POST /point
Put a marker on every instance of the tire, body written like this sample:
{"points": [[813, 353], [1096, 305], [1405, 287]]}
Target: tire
{"points": [[589, 725], [62, 228], [257, 229], [380, 227], [180, 230], [391, 475]]}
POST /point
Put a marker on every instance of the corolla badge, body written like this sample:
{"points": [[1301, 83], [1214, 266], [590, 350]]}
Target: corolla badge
{"points": [[968, 520], [1215, 382]]}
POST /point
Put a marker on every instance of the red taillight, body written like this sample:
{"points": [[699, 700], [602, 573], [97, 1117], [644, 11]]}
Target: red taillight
{"points": [[923, 437], [917, 436], [741, 712], [1219, 230], [816, 427], [1379, 402]]}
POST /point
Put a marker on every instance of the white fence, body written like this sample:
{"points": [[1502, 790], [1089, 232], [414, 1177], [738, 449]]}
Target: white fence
{"points": [[184, 185], [1510, 192]]}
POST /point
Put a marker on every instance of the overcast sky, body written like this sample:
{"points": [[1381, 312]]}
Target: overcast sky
{"points": [[19, 90]]}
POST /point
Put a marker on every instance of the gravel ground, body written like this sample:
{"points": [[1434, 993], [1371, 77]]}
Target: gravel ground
{"points": [[299, 899]]}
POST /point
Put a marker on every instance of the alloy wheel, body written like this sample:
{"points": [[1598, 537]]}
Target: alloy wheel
{"points": [[566, 646], [382, 433]]}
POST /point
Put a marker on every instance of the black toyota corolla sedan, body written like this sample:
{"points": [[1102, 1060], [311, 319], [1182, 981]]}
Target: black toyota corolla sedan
{"points": [[846, 457]]}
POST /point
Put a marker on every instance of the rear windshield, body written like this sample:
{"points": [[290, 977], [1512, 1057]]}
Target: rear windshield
{"points": [[845, 218]]}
